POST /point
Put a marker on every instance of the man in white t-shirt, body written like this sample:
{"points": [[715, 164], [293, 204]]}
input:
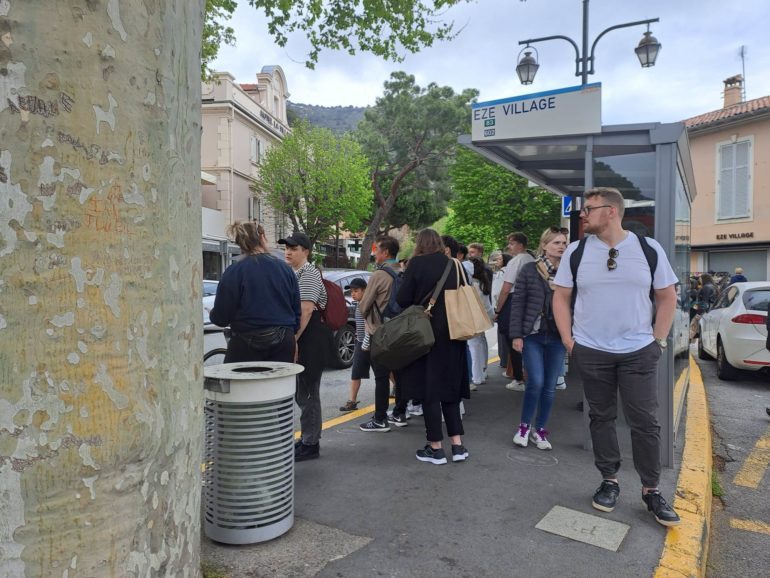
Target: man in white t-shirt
{"points": [[517, 246], [615, 343]]}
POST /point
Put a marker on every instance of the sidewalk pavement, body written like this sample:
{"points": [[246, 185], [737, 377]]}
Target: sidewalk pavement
{"points": [[368, 507]]}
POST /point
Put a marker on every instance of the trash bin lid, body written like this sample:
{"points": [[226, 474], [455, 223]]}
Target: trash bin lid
{"points": [[252, 370]]}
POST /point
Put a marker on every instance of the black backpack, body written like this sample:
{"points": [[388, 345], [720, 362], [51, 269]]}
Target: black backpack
{"points": [[649, 253], [392, 308]]}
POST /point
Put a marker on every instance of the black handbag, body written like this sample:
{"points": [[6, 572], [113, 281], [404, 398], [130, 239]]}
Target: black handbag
{"points": [[405, 338]]}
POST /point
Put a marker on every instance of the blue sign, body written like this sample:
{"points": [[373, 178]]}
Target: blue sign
{"points": [[566, 206]]}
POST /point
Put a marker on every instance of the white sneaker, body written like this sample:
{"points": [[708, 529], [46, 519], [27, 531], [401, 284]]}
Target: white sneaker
{"points": [[414, 409], [515, 385], [474, 386], [522, 435], [560, 383], [539, 439]]}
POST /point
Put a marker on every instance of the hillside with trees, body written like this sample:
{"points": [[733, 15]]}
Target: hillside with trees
{"points": [[338, 119]]}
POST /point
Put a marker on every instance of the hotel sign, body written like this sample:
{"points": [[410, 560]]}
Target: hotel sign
{"points": [[566, 111]]}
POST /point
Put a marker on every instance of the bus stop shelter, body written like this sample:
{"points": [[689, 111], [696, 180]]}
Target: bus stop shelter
{"points": [[650, 164]]}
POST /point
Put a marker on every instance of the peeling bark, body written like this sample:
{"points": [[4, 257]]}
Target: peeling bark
{"points": [[100, 314]]}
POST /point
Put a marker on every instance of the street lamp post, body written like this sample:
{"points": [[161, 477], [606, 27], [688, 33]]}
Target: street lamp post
{"points": [[647, 50]]}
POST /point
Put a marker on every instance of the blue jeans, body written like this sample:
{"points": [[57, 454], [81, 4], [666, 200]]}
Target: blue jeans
{"points": [[543, 359]]}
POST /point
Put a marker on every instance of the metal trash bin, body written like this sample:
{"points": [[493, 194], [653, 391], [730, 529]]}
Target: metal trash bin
{"points": [[248, 477]]}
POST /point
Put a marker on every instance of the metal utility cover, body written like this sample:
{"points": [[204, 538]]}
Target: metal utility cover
{"points": [[584, 528]]}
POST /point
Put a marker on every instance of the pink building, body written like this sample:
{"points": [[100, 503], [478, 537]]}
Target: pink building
{"points": [[240, 122], [730, 150]]}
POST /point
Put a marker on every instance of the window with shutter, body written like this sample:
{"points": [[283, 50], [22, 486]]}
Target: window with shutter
{"points": [[254, 156], [734, 185]]}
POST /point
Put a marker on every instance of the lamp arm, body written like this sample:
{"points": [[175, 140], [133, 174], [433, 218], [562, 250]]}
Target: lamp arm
{"points": [[611, 28], [559, 36]]}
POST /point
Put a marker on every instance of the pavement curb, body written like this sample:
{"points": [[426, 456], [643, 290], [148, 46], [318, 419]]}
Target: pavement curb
{"points": [[685, 551]]}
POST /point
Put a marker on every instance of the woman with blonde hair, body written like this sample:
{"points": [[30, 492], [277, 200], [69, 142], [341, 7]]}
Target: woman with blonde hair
{"points": [[534, 334], [440, 378], [258, 297]]}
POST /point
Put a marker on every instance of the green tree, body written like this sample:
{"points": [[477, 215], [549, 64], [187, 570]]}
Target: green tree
{"points": [[490, 202], [382, 27], [318, 179], [410, 136]]}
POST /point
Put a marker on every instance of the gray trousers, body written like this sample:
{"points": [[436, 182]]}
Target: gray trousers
{"points": [[313, 346], [635, 376]]}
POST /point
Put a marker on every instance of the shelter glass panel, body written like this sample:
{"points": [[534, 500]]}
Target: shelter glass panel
{"points": [[634, 176]]}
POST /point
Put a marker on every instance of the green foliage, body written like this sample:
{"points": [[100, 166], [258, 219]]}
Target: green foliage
{"points": [[338, 119], [716, 487], [490, 202], [318, 180], [386, 28], [410, 136], [215, 32]]}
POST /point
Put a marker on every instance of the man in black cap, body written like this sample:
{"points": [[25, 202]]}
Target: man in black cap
{"points": [[312, 339]]}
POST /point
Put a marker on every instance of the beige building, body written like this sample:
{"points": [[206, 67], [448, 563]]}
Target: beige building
{"points": [[240, 122], [730, 150]]}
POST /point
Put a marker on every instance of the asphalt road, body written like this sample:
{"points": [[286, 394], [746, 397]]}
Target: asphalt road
{"points": [[740, 530]]}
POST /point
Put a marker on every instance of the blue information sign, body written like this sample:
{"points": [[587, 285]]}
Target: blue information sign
{"points": [[566, 206]]}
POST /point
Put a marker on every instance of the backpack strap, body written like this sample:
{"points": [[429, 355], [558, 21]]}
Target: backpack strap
{"points": [[393, 275], [652, 262], [574, 263]]}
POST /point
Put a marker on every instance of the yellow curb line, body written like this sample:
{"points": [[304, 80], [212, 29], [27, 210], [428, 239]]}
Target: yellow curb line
{"points": [[685, 551], [750, 526], [755, 466]]}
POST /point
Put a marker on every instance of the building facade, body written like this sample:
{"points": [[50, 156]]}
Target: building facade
{"points": [[240, 123], [730, 150]]}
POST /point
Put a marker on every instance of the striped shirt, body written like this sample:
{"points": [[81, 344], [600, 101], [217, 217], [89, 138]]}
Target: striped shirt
{"points": [[360, 324], [311, 288]]}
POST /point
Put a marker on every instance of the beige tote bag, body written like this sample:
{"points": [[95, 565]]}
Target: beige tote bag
{"points": [[464, 310]]}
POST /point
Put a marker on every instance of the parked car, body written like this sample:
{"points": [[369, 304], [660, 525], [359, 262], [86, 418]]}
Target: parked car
{"points": [[209, 294], [734, 331], [344, 339]]}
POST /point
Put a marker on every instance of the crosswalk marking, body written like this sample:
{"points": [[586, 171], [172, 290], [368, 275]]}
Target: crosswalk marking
{"points": [[753, 469], [750, 526]]}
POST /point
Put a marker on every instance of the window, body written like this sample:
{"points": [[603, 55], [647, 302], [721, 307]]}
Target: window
{"points": [[734, 180], [255, 209], [256, 150], [280, 224]]}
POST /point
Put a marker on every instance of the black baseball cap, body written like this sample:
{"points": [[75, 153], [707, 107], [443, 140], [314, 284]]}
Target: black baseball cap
{"points": [[357, 283], [295, 239]]}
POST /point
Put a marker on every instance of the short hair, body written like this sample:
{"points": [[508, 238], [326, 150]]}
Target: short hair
{"points": [[518, 237], [390, 244], [548, 235], [451, 244], [427, 242], [609, 195], [247, 235], [478, 246], [462, 249], [739, 270]]}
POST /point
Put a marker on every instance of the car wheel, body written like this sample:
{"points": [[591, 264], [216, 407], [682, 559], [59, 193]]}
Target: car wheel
{"points": [[725, 371], [702, 352], [344, 345]]}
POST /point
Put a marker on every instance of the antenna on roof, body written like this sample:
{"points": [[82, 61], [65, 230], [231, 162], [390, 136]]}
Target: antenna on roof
{"points": [[742, 53]]}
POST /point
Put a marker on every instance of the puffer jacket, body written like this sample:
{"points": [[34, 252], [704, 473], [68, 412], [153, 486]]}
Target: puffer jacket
{"points": [[530, 296]]}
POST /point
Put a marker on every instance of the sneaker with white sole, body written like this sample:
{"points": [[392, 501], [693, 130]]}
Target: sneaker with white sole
{"points": [[540, 438], [459, 453], [428, 454], [560, 383], [474, 386], [415, 409], [397, 419], [516, 385], [522, 435], [375, 426]]}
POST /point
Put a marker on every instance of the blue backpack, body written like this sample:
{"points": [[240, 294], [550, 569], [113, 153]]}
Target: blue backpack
{"points": [[392, 308]]}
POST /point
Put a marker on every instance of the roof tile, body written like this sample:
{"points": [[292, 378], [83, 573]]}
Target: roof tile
{"points": [[733, 112]]}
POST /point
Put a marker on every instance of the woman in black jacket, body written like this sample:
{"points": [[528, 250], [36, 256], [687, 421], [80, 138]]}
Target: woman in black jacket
{"points": [[534, 334], [439, 378]]}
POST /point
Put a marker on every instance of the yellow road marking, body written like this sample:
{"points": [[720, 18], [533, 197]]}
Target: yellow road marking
{"points": [[686, 548], [753, 469], [750, 526]]}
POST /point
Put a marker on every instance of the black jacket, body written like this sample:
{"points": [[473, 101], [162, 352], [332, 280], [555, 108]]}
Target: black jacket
{"points": [[531, 297]]}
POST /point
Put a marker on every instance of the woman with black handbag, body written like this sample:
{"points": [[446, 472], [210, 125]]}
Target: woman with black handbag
{"points": [[440, 378]]}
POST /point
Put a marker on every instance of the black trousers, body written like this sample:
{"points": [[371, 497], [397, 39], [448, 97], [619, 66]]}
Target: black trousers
{"points": [[431, 412], [382, 394], [634, 375]]}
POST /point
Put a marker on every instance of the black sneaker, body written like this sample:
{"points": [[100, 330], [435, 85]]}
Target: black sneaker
{"points": [[606, 496], [374, 425], [428, 454], [663, 513], [307, 452], [398, 420], [459, 453]]}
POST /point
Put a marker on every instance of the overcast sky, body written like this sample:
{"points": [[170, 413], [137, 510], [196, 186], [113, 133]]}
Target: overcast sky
{"points": [[700, 38]]}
